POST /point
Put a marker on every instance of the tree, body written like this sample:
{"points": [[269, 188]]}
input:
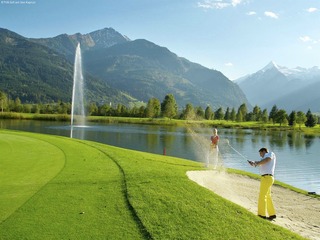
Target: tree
{"points": [[242, 113], [169, 107], [256, 113], [273, 113], [153, 108], [188, 112], [92, 109], [301, 118], [17, 105], [281, 117], [208, 114], [219, 114], [62, 108], [141, 112], [264, 116], [105, 109], [293, 118], [244, 110], [311, 119], [239, 116], [26, 108], [35, 108], [3, 101], [227, 115], [121, 110], [233, 115], [199, 112]]}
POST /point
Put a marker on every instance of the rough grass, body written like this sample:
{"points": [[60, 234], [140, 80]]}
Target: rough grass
{"points": [[87, 190]]}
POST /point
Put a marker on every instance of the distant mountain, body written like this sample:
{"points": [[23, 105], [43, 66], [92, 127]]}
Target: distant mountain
{"points": [[290, 89], [139, 68], [36, 73], [144, 70]]}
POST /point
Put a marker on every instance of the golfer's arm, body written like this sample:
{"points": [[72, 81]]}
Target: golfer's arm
{"points": [[263, 161]]}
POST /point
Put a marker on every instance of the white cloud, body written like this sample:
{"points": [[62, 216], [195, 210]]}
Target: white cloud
{"points": [[271, 14], [312, 9], [211, 4], [229, 64], [305, 39], [251, 13], [236, 2], [219, 4], [309, 40]]}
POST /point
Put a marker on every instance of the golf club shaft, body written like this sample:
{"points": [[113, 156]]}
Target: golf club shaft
{"points": [[237, 152]]}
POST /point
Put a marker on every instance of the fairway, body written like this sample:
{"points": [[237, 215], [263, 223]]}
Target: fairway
{"points": [[60, 188], [56, 188], [26, 165]]}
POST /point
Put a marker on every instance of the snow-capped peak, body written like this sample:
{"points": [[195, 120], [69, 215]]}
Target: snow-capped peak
{"points": [[271, 65], [292, 73]]}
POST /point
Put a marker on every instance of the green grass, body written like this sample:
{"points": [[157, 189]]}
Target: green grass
{"points": [[59, 188], [165, 121]]}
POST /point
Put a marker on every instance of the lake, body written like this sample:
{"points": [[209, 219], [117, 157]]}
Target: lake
{"points": [[298, 161]]}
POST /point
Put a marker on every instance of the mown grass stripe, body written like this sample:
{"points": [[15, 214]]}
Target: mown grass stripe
{"points": [[144, 231]]}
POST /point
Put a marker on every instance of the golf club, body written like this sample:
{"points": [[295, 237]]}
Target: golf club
{"points": [[237, 151]]}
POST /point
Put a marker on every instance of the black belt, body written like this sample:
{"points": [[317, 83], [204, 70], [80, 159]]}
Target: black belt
{"points": [[267, 175]]}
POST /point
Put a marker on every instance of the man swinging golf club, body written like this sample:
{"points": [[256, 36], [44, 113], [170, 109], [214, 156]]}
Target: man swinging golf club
{"points": [[267, 165]]}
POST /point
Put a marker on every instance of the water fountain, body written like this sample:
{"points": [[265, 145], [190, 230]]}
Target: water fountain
{"points": [[77, 109]]}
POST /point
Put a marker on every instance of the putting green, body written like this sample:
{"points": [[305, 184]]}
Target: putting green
{"points": [[26, 165]]}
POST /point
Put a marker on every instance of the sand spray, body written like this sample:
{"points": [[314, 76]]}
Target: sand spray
{"points": [[213, 159]]}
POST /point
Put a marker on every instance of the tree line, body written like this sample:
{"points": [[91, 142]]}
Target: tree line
{"points": [[169, 108]]}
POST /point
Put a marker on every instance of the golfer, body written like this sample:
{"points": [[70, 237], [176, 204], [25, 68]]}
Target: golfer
{"points": [[214, 149], [267, 165], [215, 139]]}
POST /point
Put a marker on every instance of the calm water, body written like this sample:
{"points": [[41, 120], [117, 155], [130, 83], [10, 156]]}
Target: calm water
{"points": [[298, 161]]}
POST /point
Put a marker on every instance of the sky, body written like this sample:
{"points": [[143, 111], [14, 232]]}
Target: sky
{"points": [[236, 37]]}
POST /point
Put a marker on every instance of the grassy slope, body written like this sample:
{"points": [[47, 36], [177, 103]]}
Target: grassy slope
{"points": [[124, 194]]}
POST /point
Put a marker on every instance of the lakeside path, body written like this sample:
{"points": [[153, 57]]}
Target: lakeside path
{"points": [[297, 212]]}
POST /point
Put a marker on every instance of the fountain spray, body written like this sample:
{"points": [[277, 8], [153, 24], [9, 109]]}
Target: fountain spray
{"points": [[77, 108]]}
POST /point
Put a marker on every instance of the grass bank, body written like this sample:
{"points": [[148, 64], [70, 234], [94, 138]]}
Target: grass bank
{"points": [[165, 122], [59, 188]]}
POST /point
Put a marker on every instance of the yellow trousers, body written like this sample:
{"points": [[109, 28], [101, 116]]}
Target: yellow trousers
{"points": [[265, 204]]}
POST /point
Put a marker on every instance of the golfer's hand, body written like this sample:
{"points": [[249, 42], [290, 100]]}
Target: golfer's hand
{"points": [[251, 162]]}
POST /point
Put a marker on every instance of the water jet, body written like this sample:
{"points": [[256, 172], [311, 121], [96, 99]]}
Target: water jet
{"points": [[78, 116]]}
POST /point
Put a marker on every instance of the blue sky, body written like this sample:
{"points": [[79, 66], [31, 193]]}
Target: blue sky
{"points": [[236, 37]]}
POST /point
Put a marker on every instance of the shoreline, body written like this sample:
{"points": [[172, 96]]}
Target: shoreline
{"points": [[164, 121]]}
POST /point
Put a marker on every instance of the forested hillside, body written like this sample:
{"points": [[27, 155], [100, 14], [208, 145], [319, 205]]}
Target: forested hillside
{"points": [[35, 73]]}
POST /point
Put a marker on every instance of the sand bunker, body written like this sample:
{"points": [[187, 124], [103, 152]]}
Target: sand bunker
{"points": [[296, 212]]}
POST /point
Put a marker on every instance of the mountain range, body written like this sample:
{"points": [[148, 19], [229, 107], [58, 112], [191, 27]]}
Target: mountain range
{"points": [[38, 74], [289, 89], [117, 70]]}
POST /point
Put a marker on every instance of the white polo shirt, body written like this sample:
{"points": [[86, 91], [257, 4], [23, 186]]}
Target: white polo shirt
{"points": [[268, 168]]}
